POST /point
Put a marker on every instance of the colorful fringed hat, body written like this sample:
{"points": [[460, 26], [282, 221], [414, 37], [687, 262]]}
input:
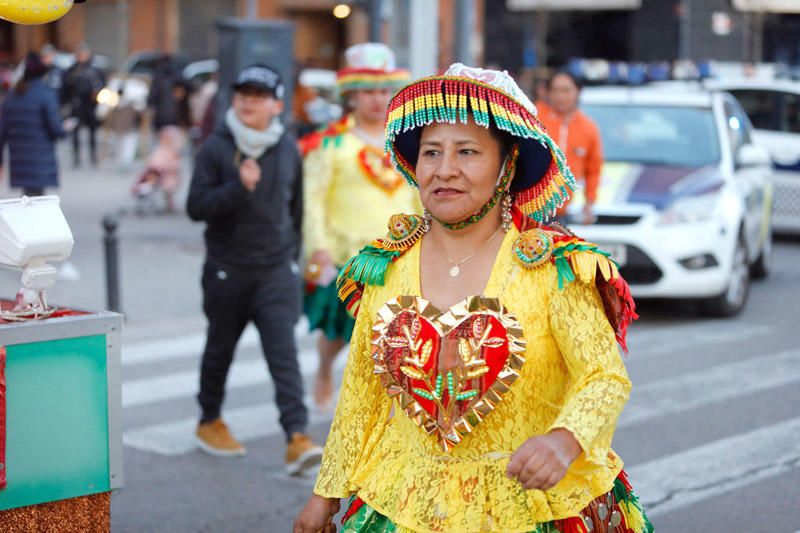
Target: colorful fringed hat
{"points": [[370, 66], [542, 182]]}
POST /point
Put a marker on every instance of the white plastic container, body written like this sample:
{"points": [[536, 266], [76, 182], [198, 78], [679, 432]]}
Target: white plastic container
{"points": [[33, 231]]}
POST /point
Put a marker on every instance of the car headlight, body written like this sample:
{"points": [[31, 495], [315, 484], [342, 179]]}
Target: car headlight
{"points": [[108, 97], [691, 209]]}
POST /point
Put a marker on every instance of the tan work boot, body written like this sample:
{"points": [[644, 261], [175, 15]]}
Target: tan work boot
{"points": [[215, 439], [301, 454]]}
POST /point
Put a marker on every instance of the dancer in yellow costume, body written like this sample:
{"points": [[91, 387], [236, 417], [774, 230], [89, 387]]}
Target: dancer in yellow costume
{"points": [[350, 189], [484, 380]]}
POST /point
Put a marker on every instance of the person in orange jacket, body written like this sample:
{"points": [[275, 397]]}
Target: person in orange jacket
{"points": [[576, 134]]}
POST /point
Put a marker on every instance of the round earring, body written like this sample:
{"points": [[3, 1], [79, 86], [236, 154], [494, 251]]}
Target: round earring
{"points": [[508, 220]]}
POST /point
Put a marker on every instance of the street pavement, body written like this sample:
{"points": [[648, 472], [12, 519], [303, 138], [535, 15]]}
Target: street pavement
{"points": [[711, 436]]}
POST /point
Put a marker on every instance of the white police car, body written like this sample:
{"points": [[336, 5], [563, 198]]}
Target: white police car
{"points": [[684, 203], [773, 106]]}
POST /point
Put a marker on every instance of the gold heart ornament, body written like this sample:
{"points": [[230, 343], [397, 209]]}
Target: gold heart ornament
{"points": [[447, 369]]}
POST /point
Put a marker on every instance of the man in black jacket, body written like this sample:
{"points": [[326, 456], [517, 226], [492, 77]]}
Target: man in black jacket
{"points": [[247, 188], [82, 82]]}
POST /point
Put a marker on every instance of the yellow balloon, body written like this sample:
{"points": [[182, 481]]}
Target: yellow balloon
{"points": [[34, 11]]}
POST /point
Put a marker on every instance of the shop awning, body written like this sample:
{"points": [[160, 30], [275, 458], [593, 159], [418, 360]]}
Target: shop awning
{"points": [[569, 5], [767, 6]]}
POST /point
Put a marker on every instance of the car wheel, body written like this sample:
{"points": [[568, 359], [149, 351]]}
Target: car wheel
{"points": [[763, 264], [733, 298]]}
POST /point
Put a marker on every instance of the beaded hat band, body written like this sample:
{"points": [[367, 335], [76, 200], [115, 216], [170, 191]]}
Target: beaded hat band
{"points": [[370, 66], [354, 79], [543, 181]]}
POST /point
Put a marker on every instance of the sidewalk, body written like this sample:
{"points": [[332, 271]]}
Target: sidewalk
{"points": [[160, 255]]}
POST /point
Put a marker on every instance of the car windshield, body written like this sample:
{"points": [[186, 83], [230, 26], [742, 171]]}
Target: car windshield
{"points": [[666, 135]]}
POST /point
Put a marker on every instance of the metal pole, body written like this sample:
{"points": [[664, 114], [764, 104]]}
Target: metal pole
{"points": [[252, 9], [375, 20], [110, 225], [423, 37], [685, 30], [746, 32], [542, 23], [464, 17], [758, 46], [122, 38]]}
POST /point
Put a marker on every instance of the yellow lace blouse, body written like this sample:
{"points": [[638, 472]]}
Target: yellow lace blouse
{"points": [[573, 378], [348, 195]]}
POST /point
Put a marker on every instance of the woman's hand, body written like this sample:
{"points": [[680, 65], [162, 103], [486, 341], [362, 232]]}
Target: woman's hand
{"points": [[542, 461], [320, 269], [317, 516]]}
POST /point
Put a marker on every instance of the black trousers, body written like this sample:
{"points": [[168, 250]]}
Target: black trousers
{"points": [[33, 191], [270, 297], [76, 142]]}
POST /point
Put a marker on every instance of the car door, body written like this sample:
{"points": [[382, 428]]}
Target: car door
{"points": [[775, 115], [751, 180]]}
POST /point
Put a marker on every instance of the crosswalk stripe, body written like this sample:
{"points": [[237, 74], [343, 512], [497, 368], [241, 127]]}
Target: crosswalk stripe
{"points": [[188, 346], [658, 398], [180, 347], [683, 393], [678, 480], [681, 341], [184, 384], [177, 437], [644, 343]]}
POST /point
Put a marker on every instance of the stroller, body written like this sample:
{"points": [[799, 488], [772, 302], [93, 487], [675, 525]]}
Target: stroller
{"points": [[148, 194], [155, 187]]}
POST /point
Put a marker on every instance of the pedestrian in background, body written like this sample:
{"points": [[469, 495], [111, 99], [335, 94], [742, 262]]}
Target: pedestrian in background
{"points": [[247, 188], [350, 191], [200, 103], [577, 135], [54, 78], [124, 120], [168, 99], [82, 83], [30, 123], [164, 164]]}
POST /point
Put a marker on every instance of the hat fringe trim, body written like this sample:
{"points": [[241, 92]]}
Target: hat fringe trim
{"points": [[444, 99]]}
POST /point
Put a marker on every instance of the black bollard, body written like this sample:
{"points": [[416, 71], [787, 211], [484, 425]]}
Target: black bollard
{"points": [[110, 224]]}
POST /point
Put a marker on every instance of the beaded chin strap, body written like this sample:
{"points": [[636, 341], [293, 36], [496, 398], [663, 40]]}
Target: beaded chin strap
{"points": [[500, 191]]}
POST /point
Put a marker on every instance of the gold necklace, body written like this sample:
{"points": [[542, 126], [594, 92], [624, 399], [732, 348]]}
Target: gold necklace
{"points": [[455, 270]]}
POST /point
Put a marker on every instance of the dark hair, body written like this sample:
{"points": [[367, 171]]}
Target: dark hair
{"points": [[569, 75], [34, 68], [505, 139]]}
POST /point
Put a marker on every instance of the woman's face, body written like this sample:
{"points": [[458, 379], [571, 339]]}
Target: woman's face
{"points": [[457, 169], [370, 104]]}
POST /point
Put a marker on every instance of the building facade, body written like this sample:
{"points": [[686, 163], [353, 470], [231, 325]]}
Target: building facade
{"points": [[117, 28], [656, 30]]}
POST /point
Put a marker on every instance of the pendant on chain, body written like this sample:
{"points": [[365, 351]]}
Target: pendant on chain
{"points": [[455, 271]]}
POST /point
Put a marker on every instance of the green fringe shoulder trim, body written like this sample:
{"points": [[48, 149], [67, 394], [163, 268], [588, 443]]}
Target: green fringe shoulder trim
{"points": [[370, 265]]}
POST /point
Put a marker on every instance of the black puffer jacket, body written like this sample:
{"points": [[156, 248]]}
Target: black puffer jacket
{"points": [[247, 229]]}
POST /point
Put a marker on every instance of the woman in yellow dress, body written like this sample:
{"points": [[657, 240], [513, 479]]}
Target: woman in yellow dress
{"points": [[350, 189], [484, 380]]}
